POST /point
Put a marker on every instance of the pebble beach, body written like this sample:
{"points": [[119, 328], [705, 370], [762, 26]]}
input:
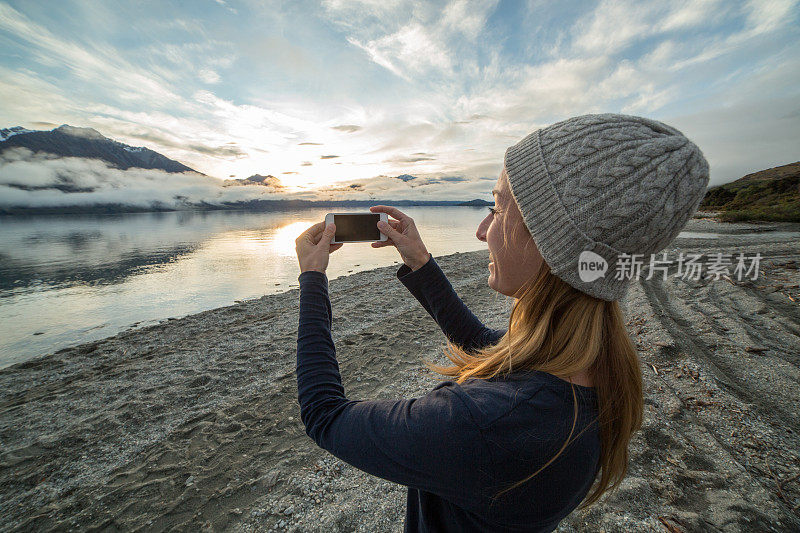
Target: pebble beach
{"points": [[193, 423]]}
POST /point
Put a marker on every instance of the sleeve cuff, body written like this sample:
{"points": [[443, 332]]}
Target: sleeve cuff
{"points": [[403, 270], [312, 277], [406, 275]]}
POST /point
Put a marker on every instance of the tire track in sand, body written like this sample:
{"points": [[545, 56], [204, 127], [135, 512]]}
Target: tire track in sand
{"points": [[754, 418]]}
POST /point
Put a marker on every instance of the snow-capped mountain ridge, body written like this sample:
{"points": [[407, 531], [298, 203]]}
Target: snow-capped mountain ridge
{"points": [[5, 133], [72, 141]]}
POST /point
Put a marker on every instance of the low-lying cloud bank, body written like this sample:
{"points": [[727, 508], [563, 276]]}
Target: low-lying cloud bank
{"points": [[39, 180]]}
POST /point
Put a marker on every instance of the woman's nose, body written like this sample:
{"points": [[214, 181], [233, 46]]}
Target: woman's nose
{"points": [[481, 233]]}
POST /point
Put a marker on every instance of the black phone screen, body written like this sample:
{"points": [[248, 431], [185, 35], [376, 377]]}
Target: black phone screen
{"points": [[357, 227]]}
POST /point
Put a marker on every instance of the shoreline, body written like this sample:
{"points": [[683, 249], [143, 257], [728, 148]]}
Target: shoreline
{"points": [[193, 422]]}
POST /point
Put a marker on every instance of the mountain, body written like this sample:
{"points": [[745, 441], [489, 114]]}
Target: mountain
{"points": [[256, 179], [69, 141], [274, 183], [476, 203], [772, 194], [243, 205], [260, 205]]}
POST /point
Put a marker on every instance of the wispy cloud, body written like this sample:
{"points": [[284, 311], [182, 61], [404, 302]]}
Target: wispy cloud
{"points": [[93, 63], [347, 128], [224, 4], [424, 40]]}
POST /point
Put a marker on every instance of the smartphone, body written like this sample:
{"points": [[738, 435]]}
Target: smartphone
{"points": [[356, 227]]}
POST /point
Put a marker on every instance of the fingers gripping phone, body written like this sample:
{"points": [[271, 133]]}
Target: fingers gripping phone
{"points": [[356, 227]]}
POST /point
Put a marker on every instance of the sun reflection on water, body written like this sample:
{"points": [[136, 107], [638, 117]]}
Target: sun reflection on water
{"points": [[283, 243]]}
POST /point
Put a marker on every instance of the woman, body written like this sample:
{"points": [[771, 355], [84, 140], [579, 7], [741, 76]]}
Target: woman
{"points": [[540, 414]]}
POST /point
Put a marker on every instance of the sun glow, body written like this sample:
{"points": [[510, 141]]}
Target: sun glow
{"points": [[283, 244]]}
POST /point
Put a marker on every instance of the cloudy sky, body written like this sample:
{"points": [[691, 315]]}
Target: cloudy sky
{"points": [[343, 92]]}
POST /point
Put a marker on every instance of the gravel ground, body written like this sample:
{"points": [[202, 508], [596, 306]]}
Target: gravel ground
{"points": [[193, 423]]}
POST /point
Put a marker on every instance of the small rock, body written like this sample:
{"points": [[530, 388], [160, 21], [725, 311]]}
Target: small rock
{"points": [[755, 349]]}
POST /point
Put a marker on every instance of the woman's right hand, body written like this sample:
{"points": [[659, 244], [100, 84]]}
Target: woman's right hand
{"points": [[403, 235]]}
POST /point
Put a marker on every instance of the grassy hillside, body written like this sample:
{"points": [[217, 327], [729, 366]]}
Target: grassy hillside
{"points": [[772, 194]]}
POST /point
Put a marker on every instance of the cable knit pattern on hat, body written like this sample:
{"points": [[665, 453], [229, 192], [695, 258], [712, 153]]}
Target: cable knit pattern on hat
{"points": [[608, 183]]}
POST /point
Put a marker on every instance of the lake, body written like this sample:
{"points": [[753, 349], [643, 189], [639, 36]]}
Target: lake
{"points": [[65, 280]]}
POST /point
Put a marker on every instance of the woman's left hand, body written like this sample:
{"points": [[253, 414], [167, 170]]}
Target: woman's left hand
{"points": [[313, 247]]}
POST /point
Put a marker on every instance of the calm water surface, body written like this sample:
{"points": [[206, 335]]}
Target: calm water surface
{"points": [[66, 280]]}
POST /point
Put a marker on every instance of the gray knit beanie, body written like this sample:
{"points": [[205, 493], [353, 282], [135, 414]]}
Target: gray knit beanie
{"points": [[608, 184]]}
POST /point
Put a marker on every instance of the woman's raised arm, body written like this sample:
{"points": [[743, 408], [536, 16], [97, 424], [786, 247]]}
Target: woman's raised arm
{"points": [[426, 281], [433, 290]]}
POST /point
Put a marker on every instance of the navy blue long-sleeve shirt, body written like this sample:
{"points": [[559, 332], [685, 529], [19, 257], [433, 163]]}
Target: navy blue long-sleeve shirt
{"points": [[458, 445]]}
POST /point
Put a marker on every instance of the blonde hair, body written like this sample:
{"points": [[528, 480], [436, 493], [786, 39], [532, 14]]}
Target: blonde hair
{"points": [[560, 330]]}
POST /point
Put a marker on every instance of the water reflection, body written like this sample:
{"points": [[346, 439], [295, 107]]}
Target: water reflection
{"points": [[283, 244], [58, 252], [71, 279]]}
